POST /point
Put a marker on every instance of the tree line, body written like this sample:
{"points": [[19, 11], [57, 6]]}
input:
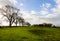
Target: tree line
{"points": [[45, 25]]}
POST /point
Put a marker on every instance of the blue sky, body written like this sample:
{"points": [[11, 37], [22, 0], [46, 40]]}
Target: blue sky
{"points": [[41, 8], [37, 11], [34, 4]]}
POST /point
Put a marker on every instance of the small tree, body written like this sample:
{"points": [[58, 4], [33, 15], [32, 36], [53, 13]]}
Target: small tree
{"points": [[28, 24], [21, 20]]}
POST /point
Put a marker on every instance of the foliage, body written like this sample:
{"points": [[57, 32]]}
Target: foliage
{"points": [[45, 25]]}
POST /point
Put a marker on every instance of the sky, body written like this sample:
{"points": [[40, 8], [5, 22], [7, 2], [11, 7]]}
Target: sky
{"points": [[37, 11]]}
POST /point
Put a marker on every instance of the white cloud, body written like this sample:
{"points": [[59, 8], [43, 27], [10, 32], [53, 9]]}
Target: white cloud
{"points": [[0, 6], [5, 2], [46, 5], [44, 12], [21, 4], [45, 8], [55, 15], [33, 12], [13, 2], [47, 17], [57, 1], [32, 18]]}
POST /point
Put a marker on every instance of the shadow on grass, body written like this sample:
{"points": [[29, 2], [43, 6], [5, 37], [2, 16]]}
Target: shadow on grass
{"points": [[21, 39], [38, 32], [24, 38]]}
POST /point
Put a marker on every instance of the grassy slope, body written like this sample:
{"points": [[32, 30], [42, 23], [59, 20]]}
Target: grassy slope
{"points": [[29, 34]]}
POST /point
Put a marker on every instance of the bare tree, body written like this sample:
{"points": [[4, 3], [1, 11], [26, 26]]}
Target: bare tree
{"points": [[21, 20], [12, 15], [8, 12]]}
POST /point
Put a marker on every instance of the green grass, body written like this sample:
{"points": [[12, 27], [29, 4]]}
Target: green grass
{"points": [[29, 34]]}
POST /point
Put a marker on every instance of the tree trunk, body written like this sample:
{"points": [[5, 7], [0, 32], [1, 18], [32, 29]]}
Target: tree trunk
{"points": [[10, 24], [22, 24], [16, 22]]}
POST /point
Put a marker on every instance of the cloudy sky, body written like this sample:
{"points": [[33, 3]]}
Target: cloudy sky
{"points": [[37, 11]]}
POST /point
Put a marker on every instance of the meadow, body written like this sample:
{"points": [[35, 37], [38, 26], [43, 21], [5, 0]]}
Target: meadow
{"points": [[29, 33]]}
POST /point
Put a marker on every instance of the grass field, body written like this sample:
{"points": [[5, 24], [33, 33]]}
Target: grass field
{"points": [[29, 34]]}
